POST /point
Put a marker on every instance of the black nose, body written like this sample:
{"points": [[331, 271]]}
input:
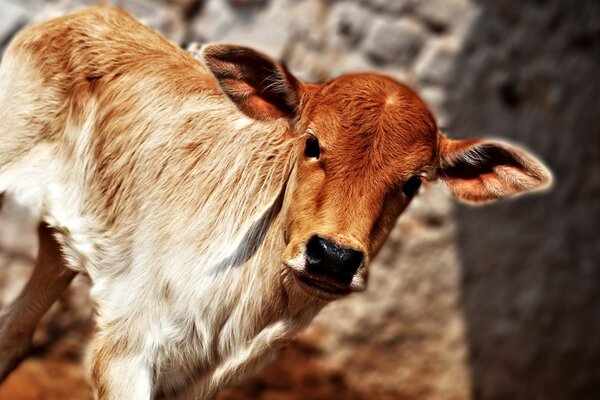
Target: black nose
{"points": [[325, 257]]}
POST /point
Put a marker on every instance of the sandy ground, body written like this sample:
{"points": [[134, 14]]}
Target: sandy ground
{"points": [[54, 371]]}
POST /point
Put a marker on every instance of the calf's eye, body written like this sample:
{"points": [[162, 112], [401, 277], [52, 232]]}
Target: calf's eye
{"points": [[411, 186], [312, 149]]}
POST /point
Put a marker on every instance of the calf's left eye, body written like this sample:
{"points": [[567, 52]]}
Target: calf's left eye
{"points": [[411, 186]]}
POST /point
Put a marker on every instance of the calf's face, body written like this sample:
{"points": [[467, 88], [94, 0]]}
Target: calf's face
{"points": [[368, 144]]}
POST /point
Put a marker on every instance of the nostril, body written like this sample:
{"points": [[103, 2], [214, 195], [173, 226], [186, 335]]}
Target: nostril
{"points": [[355, 261], [315, 250]]}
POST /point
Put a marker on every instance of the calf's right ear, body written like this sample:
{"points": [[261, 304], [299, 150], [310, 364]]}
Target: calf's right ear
{"points": [[261, 88], [485, 170]]}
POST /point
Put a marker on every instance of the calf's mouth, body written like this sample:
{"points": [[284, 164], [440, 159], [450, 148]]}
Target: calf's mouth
{"points": [[322, 287]]}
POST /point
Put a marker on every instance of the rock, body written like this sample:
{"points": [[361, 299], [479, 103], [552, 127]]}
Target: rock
{"points": [[248, 3], [397, 42], [389, 6], [268, 29], [443, 15], [348, 22], [168, 19], [435, 63]]}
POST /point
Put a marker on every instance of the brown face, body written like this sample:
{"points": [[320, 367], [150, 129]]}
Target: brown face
{"points": [[369, 143]]}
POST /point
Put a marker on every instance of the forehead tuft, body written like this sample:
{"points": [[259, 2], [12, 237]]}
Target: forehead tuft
{"points": [[360, 96], [376, 121]]}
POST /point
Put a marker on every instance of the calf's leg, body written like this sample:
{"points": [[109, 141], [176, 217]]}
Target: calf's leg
{"points": [[18, 321], [119, 367]]}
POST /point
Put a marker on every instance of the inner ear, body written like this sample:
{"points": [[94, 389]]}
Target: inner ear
{"points": [[485, 170], [481, 160], [261, 88]]}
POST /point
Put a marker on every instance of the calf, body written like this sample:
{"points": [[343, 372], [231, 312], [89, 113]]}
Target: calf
{"points": [[217, 206]]}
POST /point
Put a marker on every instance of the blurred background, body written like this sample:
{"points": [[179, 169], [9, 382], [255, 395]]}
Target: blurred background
{"points": [[495, 302]]}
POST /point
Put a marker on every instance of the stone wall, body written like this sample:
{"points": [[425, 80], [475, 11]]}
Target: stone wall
{"points": [[530, 269], [464, 303]]}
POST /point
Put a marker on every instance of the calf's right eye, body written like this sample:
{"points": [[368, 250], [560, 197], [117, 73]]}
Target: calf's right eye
{"points": [[411, 186], [312, 149]]}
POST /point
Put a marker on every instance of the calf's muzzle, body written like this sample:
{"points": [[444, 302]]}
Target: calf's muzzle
{"points": [[326, 258]]}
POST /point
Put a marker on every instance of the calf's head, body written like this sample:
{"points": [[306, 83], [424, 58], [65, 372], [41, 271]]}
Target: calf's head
{"points": [[369, 143]]}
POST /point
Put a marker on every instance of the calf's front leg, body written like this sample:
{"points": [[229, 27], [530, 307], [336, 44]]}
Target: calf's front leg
{"points": [[18, 321], [120, 370]]}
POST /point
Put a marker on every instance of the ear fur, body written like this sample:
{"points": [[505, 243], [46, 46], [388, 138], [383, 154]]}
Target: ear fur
{"points": [[486, 170], [262, 88]]}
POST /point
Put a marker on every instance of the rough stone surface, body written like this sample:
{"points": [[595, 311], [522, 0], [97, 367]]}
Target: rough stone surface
{"points": [[389, 7], [498, 302], [443, 15], [530, 274], [397, 42], [348, 23], [435, 64]]}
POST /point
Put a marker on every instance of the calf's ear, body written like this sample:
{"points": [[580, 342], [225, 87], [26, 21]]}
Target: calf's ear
{"points": [[262, 88], [485, 170]]}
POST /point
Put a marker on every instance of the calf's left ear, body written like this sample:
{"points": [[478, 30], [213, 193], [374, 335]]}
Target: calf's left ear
{"points": [[486, 170], [261, 88]]}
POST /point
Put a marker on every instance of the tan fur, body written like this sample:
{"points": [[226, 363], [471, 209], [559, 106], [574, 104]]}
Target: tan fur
{"points": [[181, 188]]}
